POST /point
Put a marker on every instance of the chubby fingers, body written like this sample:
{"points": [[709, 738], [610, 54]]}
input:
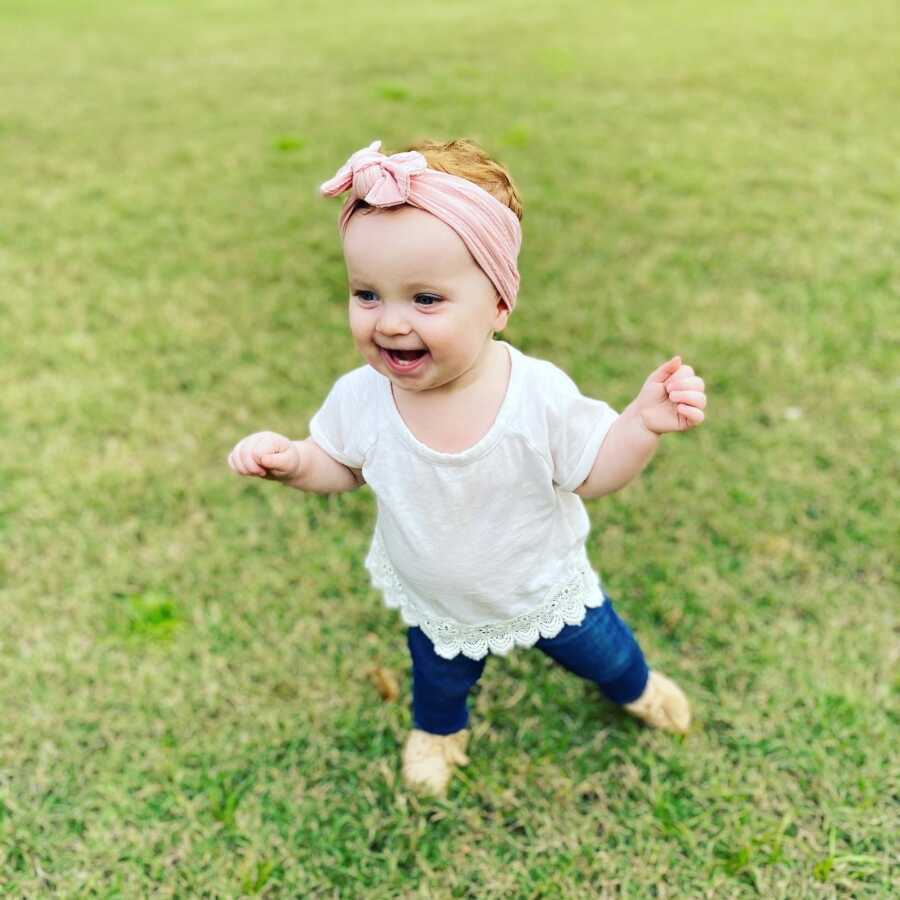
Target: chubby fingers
{"points": [[686, 387], [666, 370], [253, 462], [690, 383], [243, 461], [684, 380], [237, 464], [694, 415], [276, 462], [688, 392], [691, 398], [680, 373]]}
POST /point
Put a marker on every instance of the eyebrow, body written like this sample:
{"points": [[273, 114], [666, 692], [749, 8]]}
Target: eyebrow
{"points": [[409, 284]]}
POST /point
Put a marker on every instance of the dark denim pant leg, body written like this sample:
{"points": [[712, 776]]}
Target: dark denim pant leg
{"points": [[603, 650], [440, 687]]}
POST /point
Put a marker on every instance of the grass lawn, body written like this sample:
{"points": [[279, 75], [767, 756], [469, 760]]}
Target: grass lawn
{"points": [[185, 708]]}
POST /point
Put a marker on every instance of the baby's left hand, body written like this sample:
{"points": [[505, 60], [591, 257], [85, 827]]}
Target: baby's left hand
{"points": [[672, 399]]}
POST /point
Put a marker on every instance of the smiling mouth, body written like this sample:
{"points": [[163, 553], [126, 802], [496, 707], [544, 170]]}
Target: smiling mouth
{"points": [[403, 356], [401, 361], [406, 355]]}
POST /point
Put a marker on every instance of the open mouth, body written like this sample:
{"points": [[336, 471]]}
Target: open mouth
{"points": [[403, 360]]}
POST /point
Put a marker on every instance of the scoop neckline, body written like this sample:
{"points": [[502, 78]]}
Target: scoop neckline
{"points": [[485, 443]]}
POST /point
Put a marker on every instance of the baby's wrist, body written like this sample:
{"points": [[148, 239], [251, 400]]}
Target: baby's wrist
{"points": [[635, 417]]}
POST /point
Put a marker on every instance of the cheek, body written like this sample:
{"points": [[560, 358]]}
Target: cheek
{"points": [[455, 331], [439, 328], [358, 320], [361, 335]]}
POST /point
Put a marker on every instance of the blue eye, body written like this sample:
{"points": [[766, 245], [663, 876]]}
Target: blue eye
{"points": [[426, 300]]}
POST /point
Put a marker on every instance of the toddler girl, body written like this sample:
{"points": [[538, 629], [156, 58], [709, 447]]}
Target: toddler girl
{"points": [[478, 454]]}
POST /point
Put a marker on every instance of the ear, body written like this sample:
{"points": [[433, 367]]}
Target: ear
{"points": [[501, 315]]}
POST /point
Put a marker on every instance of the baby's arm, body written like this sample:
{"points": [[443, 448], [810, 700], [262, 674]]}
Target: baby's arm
{"points": [[299, 464], [320, 474], [627, 448], [672, 399]]}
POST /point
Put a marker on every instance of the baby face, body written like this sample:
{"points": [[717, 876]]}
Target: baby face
{"points": [[415, 288]]}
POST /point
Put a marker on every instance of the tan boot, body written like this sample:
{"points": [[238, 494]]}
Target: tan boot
{"points": [[662, 705], [428, 759]]}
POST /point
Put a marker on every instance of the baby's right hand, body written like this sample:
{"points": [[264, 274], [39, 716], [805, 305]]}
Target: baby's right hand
{"points": [[266, 455]]}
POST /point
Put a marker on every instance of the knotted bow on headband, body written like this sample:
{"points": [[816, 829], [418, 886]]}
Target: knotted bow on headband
{"points": [[489, 228]]}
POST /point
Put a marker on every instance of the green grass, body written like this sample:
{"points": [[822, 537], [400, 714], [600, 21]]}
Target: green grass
{"points": [[185, 709]]}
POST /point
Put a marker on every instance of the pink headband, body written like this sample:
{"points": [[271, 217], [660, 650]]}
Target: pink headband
{"points": [[489, 228]]}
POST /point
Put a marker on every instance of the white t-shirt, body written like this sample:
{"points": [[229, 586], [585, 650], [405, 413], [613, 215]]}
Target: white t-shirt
{"points": [[482, 549]]}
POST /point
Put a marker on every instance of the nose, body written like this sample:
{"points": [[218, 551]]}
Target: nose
{"points": [[392, 320]]}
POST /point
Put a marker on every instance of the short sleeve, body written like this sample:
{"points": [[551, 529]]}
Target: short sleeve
{"points": [[340, 425], [577, 427]]}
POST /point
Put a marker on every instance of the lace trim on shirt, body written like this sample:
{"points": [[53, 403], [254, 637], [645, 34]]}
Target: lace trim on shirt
{"points": [[565, 605]]}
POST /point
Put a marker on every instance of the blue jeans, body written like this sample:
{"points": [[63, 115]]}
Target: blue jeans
{"points": [[601, 649]]}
